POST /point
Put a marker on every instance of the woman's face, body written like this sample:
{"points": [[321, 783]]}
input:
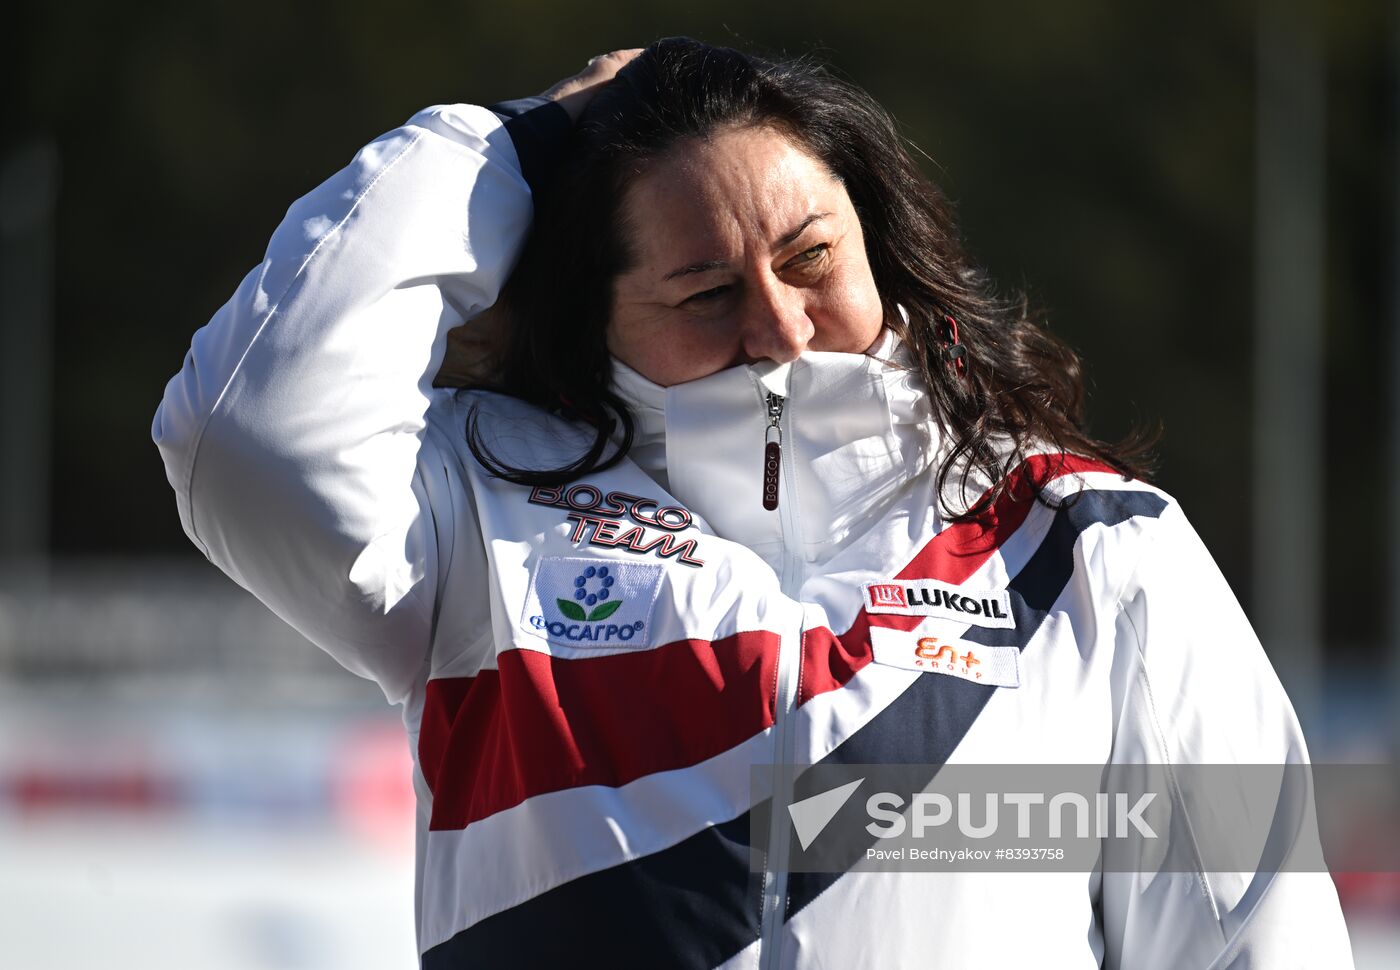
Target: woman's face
{"points": [[745, 248]]}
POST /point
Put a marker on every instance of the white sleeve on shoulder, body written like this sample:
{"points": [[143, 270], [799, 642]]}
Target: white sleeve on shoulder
{"points": [[1198, 689], [296, 434]]}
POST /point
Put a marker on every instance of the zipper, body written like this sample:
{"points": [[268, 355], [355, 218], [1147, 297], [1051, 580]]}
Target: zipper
{"points": [[778, 495], [773, 450]]}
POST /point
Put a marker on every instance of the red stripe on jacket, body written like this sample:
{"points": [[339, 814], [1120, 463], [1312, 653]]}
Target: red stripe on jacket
{"points": [[542, 724]]}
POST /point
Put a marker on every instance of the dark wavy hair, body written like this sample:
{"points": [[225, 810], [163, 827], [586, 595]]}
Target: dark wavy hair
{"points": [[1017, 385]]}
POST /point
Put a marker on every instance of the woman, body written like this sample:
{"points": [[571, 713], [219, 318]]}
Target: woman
{"points": [[758, 439]]}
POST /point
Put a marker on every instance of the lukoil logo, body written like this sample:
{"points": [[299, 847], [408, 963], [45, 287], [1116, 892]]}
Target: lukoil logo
{"points": [[592, 603], [887, 594], [929, 597]]}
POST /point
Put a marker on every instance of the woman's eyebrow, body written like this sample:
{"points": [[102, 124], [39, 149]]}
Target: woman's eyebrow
{"points": [[713, 264], [704, 267], [792, 234]]}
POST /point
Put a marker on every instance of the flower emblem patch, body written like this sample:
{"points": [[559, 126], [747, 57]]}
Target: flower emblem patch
{"points": [[592, 603], [592, 587]]}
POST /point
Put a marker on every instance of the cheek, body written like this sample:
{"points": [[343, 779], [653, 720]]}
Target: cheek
{"points": [[848, 315], [675, 353]]}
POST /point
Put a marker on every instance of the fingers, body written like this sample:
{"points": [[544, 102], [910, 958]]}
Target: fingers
{"points": [[624, 55], [603, 67], [573, 93]]}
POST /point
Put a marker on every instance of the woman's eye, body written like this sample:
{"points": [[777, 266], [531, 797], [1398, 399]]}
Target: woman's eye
{"points": [[705, 295], [809, 255]]}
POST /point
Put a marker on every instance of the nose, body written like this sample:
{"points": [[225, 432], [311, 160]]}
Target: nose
{"points": [[775, 324]]}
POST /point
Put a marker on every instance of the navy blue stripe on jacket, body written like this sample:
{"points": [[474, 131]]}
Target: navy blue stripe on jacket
{"points": [[926, 722]]}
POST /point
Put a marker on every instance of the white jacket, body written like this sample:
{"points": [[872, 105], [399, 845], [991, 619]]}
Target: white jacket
{"points": [[588, 673]]}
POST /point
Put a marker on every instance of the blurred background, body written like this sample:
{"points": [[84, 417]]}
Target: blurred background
{"points": [[1205, 198]]}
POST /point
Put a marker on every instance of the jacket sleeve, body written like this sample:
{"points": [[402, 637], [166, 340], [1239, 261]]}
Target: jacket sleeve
{"points": [[1198, 689], [296, 435]]}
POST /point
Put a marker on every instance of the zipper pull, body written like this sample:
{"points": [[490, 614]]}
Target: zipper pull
{"points": [[772, 450]]}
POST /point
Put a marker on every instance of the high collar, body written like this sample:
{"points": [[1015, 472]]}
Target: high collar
{"points": [[855, 429]]}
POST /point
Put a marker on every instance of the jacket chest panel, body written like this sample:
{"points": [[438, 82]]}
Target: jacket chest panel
{"points": [[615, 658]]}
